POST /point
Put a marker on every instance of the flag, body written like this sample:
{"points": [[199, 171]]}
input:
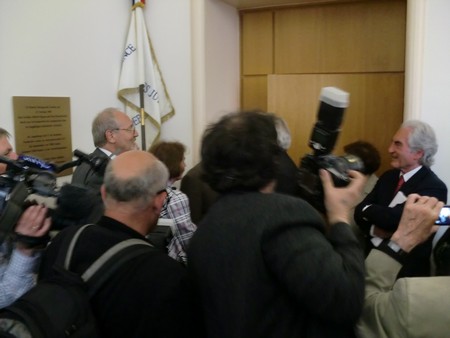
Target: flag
{"points": [[141, 86]]}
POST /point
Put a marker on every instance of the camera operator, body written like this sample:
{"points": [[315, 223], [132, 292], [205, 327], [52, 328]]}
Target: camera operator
{"points": [[6, 149], [19, 253], [266, 264]]}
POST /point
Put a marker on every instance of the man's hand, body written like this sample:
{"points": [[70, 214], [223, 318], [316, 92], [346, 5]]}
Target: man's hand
{"points": [[417, 222], [33, 223], [340, 201]]}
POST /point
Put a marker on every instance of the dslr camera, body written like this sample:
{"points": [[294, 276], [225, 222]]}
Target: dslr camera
{"points": [[333, 102]]}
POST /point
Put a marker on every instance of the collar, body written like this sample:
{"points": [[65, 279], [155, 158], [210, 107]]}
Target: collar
{"points": [[107, 153], [411, 173], [117, 226]]}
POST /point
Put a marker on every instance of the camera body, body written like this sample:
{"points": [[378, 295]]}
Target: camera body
{"points": [[333, 102], [31, 176]]}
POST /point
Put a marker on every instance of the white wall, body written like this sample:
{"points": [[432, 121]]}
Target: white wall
{"points": [[435, 102], [74, 49]]}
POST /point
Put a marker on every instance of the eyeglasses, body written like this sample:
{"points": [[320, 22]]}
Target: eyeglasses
{"points": [[131, 129]]}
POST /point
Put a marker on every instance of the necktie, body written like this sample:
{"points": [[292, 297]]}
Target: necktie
{"points": [[401, 180]]}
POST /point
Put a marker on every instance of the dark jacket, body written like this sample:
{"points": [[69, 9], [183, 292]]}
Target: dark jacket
{"points": [[148, 296], [86, 175], [265, 268], [199, 193], [424, 182]]}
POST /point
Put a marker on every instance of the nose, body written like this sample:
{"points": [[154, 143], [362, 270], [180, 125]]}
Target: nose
{"points": [[391, 148], [13, 155]]}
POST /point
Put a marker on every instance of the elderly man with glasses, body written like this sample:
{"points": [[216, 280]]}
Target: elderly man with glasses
{"points": [[113, 133]]}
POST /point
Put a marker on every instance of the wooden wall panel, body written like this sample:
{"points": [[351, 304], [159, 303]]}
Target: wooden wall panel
{"points": [[257, 43], [374, 114], [254, 92], [352, 37]]}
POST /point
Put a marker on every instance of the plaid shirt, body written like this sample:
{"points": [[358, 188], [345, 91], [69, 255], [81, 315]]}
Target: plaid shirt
{"points": [[176, 207], [16, 273]]}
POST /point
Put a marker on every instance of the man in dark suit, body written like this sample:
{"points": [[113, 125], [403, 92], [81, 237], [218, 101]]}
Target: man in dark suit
{"points": [[150, 295], [378, 215], [265, 263], [113, 133]]}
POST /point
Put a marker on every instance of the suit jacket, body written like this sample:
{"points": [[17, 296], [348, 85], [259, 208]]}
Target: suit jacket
{"points": [[424, 182], [88, 176], [264, 267], [403, 308], [199, 193], [149, 296]]}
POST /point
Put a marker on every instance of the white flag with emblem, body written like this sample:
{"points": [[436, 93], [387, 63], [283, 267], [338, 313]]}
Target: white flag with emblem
{"points": [[141, 86]]}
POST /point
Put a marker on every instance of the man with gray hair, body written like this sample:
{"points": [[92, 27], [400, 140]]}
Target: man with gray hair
{"points": [[412, 153], [150, 295], [113, 133]]}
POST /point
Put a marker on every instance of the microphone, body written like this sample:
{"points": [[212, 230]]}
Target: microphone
{"points": [[37, 163], [95, 162]]}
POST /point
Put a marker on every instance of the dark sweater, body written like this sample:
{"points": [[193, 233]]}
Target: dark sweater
{"points": [[265, 268]]}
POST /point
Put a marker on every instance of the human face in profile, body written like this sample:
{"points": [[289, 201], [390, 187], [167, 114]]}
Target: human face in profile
{"points": [[402, 156], [124, 136], [6, 150]]}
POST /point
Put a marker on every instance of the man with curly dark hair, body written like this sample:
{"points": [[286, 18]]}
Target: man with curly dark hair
{"points": [[266, 264]]}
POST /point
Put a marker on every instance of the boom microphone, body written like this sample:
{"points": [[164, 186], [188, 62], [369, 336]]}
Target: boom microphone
{"points": [[95, 162]]}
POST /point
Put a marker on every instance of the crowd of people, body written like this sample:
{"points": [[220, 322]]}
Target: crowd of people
{"points": [[248, 257]]}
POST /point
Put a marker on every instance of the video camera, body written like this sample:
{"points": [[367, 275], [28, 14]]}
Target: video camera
{"points": [[333, 102], [30, 175]]}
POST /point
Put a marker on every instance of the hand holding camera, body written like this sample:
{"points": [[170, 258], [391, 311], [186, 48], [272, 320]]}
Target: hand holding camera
{"points": [[339, 201]]}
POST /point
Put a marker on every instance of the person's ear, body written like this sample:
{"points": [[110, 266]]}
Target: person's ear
{"points": [[103, 192], [418, 154], [109, 136], [159, 200]]}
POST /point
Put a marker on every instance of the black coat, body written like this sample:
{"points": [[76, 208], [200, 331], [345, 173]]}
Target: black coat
{"points": [[424, 182], [265, 268], [150, 296], [86, 175]]}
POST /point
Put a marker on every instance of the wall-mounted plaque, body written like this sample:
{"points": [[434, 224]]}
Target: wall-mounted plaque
{"points": [[42, 128]]}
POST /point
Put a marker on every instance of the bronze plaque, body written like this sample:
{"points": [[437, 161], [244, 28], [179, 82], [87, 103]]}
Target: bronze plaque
{"points": [[42, 128]]}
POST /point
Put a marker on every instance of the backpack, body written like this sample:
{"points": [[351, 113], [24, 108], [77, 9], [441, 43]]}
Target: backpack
{"points": [[59, 306]]}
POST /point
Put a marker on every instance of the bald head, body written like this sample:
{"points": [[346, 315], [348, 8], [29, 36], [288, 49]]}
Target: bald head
{"points": [[134, 177]]}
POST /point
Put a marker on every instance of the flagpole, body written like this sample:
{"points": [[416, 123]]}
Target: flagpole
{"points": [[141, 104]]}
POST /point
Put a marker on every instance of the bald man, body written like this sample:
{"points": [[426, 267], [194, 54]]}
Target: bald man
{"points": [[150, 295]]}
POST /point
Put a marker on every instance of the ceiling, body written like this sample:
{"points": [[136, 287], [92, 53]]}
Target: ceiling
{"points": [[250, 4]]}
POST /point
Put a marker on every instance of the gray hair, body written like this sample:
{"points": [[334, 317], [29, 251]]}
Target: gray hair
{"points": [[4, 133], [422, 137], [105, 120], [283, 133], [140, 189]]}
